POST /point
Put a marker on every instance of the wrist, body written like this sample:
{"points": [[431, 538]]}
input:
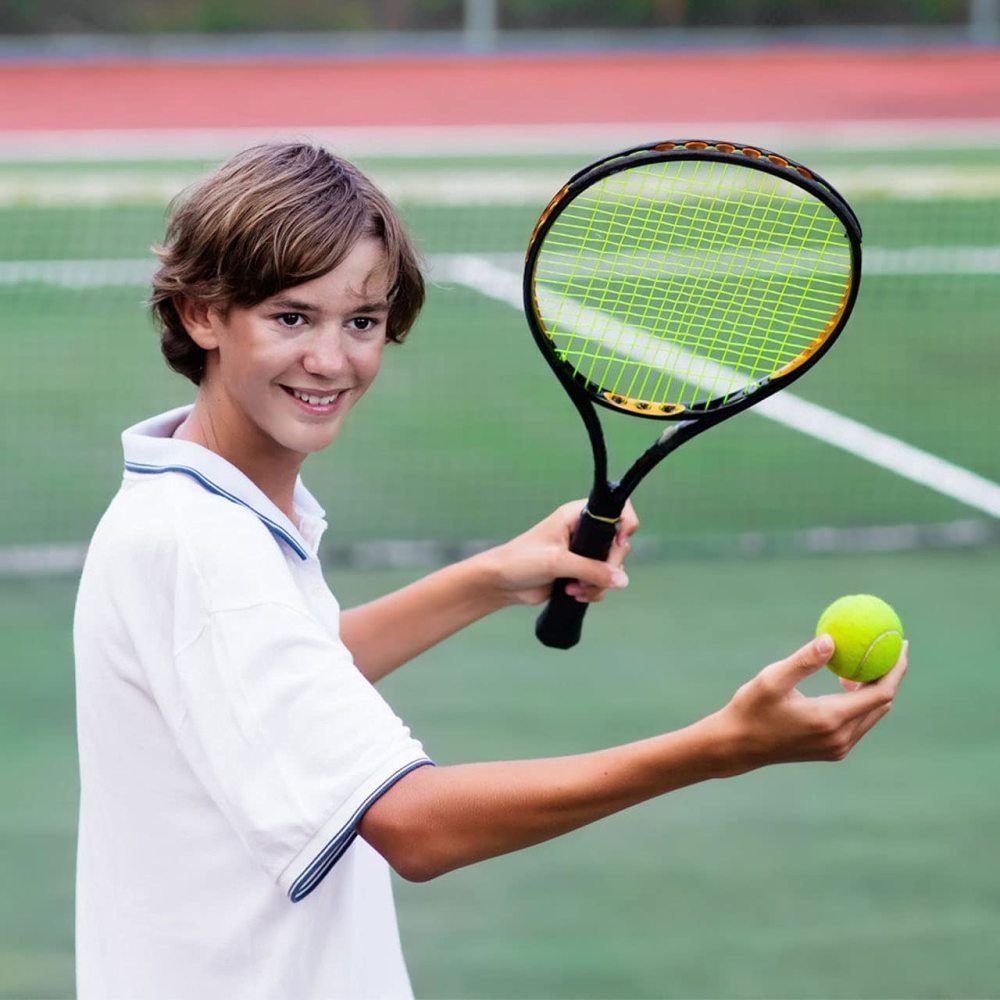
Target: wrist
{"points": [[483, 582], [726, 751]]}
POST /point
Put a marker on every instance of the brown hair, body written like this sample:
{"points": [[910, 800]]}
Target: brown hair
{"points": [[273, 216]]}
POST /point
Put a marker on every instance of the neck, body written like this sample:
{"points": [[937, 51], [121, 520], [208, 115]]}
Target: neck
{"points": [[272, 469]]}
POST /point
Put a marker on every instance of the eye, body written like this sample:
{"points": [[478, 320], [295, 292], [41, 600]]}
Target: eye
{"points": [[363, 324], [290, 320]]}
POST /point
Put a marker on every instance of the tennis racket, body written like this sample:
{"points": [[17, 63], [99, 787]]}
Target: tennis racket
{"points": [[681, 282]]}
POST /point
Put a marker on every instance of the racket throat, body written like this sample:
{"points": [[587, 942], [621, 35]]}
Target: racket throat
{"points": [[671, 432], [674, 436]]}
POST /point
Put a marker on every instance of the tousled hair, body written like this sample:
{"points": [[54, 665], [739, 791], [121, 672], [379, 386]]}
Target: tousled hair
{"points": [[273, 216]]}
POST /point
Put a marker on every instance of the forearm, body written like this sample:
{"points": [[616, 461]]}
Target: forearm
{"points": [[386, 633], [439, 819]]}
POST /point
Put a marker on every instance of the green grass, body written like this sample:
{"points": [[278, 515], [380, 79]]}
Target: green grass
{"points": [[871, 878]]}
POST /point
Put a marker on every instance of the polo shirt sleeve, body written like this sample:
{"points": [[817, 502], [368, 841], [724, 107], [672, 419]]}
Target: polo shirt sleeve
{"points": [[287, 736]]}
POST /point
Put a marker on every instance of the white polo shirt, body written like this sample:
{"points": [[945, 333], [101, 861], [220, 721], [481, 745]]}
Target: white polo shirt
{"points": [[228, 749]]}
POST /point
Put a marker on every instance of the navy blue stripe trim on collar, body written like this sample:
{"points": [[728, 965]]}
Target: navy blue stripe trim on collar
{"points": [[334, 850], [275, 529]]}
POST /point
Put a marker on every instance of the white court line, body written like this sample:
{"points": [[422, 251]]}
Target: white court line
{"points": [[82, 274], [50, 560], [136, 272], [28, 145], [932, 260], [877, 261], [848, 435], [23, 187]]}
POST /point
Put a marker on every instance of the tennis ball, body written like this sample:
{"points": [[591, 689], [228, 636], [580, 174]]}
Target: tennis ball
{"points": [[868, 636]]}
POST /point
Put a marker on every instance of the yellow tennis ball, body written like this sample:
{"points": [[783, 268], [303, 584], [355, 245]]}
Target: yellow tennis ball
{"points": [[868, 636]]}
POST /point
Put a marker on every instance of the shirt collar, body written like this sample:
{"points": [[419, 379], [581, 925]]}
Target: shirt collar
{"points": [[150, 450]]}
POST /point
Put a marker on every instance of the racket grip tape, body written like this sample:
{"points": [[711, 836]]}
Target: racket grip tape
{"points": [[561, 621]]}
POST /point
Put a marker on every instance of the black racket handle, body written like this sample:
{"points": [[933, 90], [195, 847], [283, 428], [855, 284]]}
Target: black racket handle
{"points": [[561, 620]]}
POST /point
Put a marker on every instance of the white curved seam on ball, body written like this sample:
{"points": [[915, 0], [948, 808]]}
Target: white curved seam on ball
{"points": [[871, 646]]}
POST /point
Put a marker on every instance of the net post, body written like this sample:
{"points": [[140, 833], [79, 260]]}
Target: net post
{"points": [[984, 22], [480, 25]]}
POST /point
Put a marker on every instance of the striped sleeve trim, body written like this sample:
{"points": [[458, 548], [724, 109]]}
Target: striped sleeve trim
{"points": [[335, 848]]}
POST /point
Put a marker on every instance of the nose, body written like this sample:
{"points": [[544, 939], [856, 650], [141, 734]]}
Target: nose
{"points": [[325, 355]]}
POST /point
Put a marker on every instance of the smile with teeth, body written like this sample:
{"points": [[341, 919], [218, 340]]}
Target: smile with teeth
{"points": [[315, 400]]}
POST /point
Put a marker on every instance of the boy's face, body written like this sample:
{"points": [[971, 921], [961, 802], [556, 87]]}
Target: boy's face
{"points": [[322, 339]]}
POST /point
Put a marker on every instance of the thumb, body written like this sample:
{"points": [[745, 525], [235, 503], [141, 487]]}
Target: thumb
{"points": [[593, 571], [804, 661]]}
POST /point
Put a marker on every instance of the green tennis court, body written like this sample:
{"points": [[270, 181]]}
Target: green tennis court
{"points": [[872, 878], [869, 878]]}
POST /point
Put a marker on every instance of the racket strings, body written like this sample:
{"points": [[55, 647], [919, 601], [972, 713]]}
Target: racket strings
{"points": [[724, 231], [684, 282], [692, 301], [763, 361], [589, 212], [578, 219]]}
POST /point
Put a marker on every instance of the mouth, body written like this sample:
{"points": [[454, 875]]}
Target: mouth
{"points": [[314, 403]]}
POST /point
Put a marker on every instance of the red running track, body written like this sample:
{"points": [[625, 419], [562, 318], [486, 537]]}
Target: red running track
{"points": [[788, 85]]}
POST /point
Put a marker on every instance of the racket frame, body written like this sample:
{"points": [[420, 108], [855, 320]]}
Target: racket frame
{"points": [[596, 530]]}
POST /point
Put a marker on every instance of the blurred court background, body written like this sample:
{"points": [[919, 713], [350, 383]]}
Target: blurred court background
{"points": [[874, 878]]}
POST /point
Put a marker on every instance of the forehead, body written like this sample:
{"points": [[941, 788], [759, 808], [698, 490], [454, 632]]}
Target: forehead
{"points": [[362, 276]]}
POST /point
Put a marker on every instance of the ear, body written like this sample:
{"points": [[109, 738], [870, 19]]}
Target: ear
{"points": [[200, 320]]}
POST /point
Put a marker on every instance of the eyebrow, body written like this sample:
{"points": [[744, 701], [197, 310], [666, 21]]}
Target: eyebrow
{"points": [[297, 305], [293, 304], [380, 306]]}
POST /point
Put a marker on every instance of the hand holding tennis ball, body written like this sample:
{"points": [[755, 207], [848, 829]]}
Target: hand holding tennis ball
{"points": [[868, 636]]}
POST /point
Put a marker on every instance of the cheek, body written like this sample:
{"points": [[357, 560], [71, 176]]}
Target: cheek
{"points": [[251, 352], [265, 362], [368, 362]]}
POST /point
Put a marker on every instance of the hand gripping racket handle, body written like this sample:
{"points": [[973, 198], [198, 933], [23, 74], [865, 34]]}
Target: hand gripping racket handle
{"points": [[561, 620]]}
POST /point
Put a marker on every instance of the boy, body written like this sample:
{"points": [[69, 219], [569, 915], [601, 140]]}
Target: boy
{"points": [[243, 783]]}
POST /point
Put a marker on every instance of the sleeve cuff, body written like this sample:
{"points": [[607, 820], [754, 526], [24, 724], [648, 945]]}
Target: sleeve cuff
{"points": [[325, 850]]}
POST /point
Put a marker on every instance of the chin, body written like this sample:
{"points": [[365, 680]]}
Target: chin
{"points": [[304, 436], [310, 442]]}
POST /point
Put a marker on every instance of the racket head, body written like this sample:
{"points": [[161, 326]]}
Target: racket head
{"points": [[688, 280]]}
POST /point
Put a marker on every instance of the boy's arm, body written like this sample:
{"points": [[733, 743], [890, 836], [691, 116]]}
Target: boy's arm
{"points": [[438, 819], [387, 632]]}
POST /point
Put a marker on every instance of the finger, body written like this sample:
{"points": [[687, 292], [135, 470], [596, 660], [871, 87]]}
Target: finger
{"points": [[619, 553], [854, 705], [585, 593], [588, 592], [590, 596], [598, 574], [879, 692], [567, 516], [849, 685], [805, 661], [629, 523], [869, 721], [894, 678]]}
